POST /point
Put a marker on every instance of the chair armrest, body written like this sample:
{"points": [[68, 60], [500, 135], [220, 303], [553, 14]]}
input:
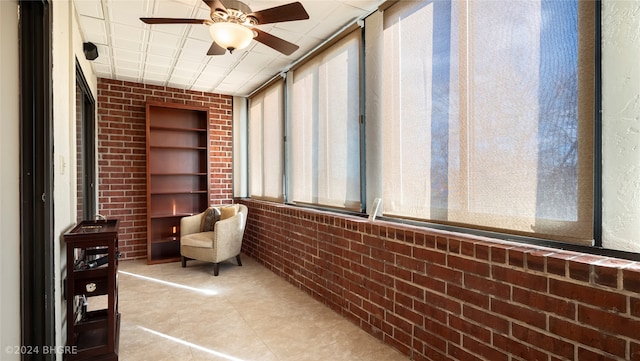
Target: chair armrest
{"points": [[228, 236], [230, 228], [190, 224]]}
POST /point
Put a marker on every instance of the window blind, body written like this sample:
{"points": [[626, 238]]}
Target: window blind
{"points": [[487, 114], [324, 140], [266, 143]]}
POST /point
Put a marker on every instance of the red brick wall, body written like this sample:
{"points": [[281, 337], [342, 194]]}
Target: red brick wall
{"points": [[122, 153], [436, 295]]}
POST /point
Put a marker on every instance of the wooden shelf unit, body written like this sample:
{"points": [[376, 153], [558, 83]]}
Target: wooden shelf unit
{"points": [[177, 174], [92, 265]]}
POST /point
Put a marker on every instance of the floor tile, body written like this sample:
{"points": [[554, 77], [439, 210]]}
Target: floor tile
{"points": [[245, 314]]}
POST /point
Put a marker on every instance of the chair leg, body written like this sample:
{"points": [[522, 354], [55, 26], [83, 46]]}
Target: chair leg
{"points": [[238, 259], [184, 261], [216, 269]]}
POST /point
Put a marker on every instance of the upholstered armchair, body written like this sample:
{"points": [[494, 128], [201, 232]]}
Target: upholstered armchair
{"points": [[214, 235]]}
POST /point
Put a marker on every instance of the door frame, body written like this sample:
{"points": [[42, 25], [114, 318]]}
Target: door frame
{"points": [[37, 274]]}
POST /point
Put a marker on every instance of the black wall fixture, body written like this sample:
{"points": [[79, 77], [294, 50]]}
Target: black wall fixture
{"points": [[90, 51]]}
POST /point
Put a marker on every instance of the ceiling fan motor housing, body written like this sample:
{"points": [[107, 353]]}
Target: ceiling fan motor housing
{"points": [[236, 11], [232, 25]]}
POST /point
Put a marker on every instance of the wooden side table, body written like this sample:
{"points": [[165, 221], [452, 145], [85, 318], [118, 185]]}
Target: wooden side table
{"points": [[92, 265]]}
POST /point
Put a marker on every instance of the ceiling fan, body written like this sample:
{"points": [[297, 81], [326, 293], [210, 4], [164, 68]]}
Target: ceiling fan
{"points": [[232, 25]]}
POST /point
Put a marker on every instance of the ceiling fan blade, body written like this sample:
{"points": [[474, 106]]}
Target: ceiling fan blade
{"points": [[288, 12], [275, 42], [215, 4], [171, 21], [216, 49]]}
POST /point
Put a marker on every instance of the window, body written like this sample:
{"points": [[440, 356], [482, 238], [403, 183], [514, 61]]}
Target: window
{"points": [[487, 114], [85, 149], [266, 137], [324, 130]]}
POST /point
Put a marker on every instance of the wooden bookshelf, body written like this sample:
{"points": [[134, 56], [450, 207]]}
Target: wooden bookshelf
{"points": [[177, 174]]}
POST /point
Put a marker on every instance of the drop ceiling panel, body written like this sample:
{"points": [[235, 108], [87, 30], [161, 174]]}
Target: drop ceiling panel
{"points": [[195, 50], [173, 9], [159, 69], [92, 8], [129, 49], [101, 69], [127, 37], [127, 55], [130, 73], [94, 30], [127, 12], [200, 32], [163, 44], [160, 60], [157, 77]]}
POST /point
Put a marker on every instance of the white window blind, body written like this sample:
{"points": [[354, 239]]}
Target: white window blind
{"points": [[266, 143], [324, 127], [487, 114]]}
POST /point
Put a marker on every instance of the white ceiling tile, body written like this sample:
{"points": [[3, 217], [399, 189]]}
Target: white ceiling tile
{"points": [[101, 68], [128, 72], [127, 32], [104, 54], [159, 60], [184, 63], [257, 5], [107, 75], [203, 13], [191, 3], [214, 68], [92, 8], [154, 81], [200, 32], [128, 12], [129, 49], [159, 77], [102, 71], [179, 82], [195, 50], [127, 78], [227, 88], [187, 73], [172, 9], [168, 40], [122, 43], [204, 88], [158, 69], [125, 64], [318, 10], [94, 30], [127, 37], [210, 73], [366, 5], [209, 79], [255, 63], [163, 44], [128, 55], [173, 29], [238, 77]]}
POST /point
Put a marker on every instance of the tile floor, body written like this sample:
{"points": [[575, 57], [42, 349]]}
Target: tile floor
{"points": [[245, 314]]}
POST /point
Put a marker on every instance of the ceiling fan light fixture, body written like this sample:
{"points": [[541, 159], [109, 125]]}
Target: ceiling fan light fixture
{"points": [[231, 36]]}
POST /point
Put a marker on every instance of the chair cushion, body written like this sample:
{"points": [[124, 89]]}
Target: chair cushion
{"points": [[201, 240], [209, 219], [228, 211]]}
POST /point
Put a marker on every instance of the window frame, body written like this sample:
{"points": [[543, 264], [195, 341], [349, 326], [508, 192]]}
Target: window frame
{"points": [[347, 31], [368, 195], [594, 175], [262, 93]]}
